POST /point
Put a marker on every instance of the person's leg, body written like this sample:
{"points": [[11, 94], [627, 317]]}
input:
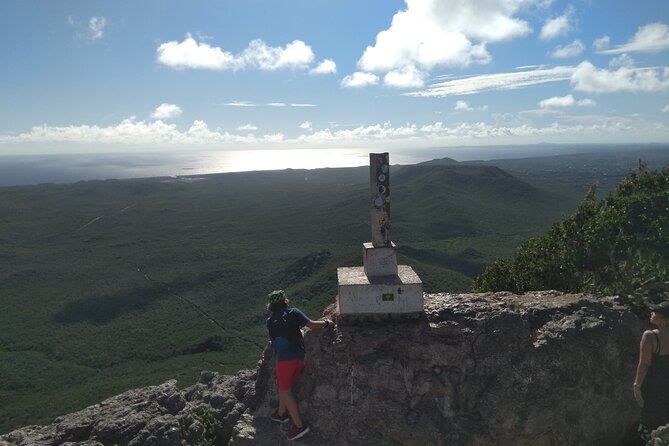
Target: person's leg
{"points": [[289, 372], [287, 400], [282, 405], [282, 378]]}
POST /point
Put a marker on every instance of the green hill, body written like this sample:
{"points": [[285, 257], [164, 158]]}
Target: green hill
{"points": [[109, 285]]}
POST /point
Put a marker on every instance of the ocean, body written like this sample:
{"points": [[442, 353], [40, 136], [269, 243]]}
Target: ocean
{"points": [[36, 169]]}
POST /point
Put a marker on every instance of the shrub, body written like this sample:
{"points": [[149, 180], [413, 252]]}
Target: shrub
{"points": [[617, 246]]}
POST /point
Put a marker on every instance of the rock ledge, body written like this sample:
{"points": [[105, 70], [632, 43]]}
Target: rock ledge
{"points": [[537, 369]]}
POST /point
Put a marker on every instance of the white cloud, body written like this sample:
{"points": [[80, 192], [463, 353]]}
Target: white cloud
{"points": [[127, 131], [665, 109], [73, 22], [565, 101], [191, 54], [92, 31], [200, 134], [258, 55], [573, 49], [275, 137], [558, 26], [96, 27], [405, 77], [438, 33], [377, 132], [533, 67], [624, 60], [268, 104], [240, 104], [327, 66], [577, 130], [462, 106], [498, 81], [591, 79], [130, 134], [166, 111], [601, 43], [572, 130], [359, 79], [306, 125], [247, 127], [295, 55], [650, 38]]}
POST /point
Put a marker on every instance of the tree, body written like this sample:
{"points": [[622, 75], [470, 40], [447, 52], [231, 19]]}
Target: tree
{"points": [[617, 246]]}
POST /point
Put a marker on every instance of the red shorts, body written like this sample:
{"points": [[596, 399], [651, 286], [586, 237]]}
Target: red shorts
{"points": [[288, 372]]}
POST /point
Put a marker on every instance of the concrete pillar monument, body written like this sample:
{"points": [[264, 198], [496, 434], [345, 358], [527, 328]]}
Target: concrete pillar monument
{"points": [[380, 286]]}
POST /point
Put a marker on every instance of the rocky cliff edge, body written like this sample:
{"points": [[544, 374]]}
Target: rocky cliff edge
{"points": [[542, 368]]}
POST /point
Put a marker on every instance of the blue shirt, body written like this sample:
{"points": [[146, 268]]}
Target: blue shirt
{"points": [[284, 331]]}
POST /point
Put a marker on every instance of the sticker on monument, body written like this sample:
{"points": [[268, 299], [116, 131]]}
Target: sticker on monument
{"points": [[388, 297]]}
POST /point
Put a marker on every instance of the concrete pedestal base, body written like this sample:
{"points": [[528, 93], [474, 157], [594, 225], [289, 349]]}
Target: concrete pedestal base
{"points": [[379, 261], [361, 294]]}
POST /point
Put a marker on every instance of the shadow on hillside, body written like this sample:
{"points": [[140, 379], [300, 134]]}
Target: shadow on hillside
{"points": [[103, 309], [459, 263]]}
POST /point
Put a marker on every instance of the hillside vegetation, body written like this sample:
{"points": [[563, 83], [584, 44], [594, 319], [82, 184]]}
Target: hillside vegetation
{"points": [[110, 285], [616, 246]]}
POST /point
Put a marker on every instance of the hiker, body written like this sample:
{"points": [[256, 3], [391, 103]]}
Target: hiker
{"points": [[284, 327], [651, 384]]}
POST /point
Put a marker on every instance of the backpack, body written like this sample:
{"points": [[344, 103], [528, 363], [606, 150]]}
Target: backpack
{"points": [[284, 332]]}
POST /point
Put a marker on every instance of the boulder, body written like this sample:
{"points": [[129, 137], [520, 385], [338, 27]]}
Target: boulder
{"points": [[542, 368], [158, 415]]}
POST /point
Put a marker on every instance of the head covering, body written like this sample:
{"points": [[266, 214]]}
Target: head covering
{"points": [[276, 297], [661, 307]]}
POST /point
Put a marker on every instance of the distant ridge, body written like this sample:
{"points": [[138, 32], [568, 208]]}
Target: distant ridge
{"points": [[464, 179], [439, 162]]}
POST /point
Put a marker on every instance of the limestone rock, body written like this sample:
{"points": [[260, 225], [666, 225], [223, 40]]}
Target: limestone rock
{"points": [[538, 369], [158, 415], [659, 437]]}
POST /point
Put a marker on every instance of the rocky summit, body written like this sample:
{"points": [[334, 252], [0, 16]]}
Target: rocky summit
{"points": [[542, 368]]}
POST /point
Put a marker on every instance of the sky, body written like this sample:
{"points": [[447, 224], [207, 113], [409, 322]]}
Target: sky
{"points": [[93, 76]]}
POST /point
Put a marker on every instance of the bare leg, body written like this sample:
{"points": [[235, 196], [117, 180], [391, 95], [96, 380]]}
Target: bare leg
{"points": [[282, 405], [287, 402]]}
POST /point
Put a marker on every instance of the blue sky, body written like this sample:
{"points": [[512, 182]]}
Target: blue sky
{"points": [[108, 76]]}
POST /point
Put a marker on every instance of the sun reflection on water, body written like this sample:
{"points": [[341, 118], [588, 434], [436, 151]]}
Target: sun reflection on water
{"points": [[249, 160]]}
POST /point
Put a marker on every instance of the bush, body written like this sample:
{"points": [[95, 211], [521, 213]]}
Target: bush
{"points": [[617, 246]]}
